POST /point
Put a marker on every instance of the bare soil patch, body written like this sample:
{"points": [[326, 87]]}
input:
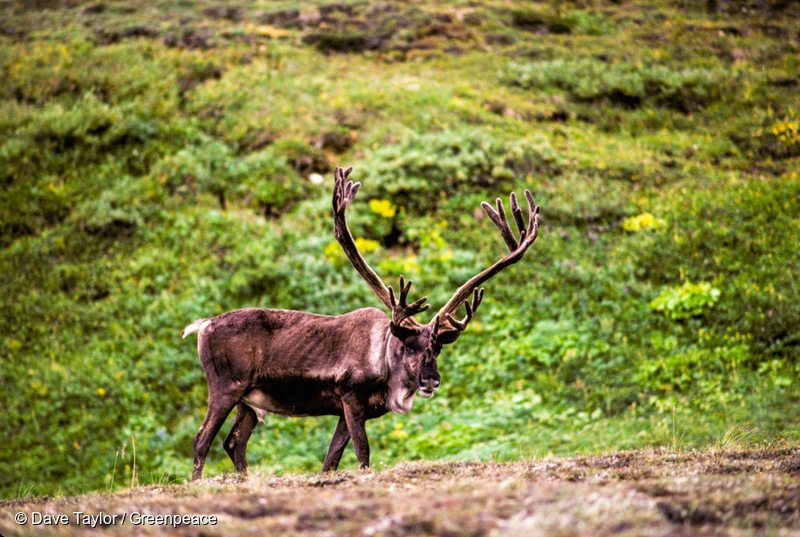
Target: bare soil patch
{"points": [[629, 493]]}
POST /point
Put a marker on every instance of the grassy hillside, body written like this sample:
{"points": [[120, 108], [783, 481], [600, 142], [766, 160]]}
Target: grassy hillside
{"points": [[158, 161]]}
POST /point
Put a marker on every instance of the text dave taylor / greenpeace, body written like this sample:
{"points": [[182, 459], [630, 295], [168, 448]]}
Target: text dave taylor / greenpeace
{"points": [[134, 518]]}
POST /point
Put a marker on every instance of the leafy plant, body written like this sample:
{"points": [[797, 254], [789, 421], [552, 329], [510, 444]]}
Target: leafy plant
{"points": [[643, 222], [687, 300], [709, 369]]}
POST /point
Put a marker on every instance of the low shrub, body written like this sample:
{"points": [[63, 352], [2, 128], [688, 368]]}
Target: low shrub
{"points": [[267, 180], [625, 84], [780, 139], [681, 370], [335, 41], [560, 22], [421, 169]]}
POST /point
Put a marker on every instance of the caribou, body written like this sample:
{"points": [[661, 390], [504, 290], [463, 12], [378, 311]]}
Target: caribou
{"points": [[357, 366]]}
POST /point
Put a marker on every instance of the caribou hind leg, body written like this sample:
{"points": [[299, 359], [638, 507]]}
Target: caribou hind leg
{"points": [[218, 409], [339, 441], [224, 392], [236, 442]]}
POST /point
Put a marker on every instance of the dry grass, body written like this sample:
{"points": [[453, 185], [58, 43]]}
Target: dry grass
{"points": [[628, 493]]}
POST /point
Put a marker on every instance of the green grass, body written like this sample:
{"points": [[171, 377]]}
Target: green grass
{"points": [[155, 168]]}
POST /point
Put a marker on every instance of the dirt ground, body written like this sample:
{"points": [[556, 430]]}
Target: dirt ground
{"points": [[628, 493]]}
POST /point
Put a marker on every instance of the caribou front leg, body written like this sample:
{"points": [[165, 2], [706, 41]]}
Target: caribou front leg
{"points": [[339, 441], [355, 417]]}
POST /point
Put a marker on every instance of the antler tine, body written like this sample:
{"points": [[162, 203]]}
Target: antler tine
{"points": [[417, 305], [499, 219], [401, 309], [477, 298], [342, 173], [516, 249], [458, 325], [404, 289], [352, 189], [533, 220], [344, 191], [517, 212]]}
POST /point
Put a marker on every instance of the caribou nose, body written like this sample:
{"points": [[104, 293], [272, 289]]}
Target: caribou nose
{"points": [[430, 382]]}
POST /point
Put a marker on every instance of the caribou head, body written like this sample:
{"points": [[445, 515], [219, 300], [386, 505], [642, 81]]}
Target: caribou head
{"points": [[417, 345]]}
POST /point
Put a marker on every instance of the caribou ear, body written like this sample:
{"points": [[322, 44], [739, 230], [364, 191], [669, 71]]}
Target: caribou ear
{"points": [[403, 332], [447, 337], [453, 326]]}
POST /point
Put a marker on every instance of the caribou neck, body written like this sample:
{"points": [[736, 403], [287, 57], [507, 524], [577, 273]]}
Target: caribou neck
{"points": [[400, 390]]}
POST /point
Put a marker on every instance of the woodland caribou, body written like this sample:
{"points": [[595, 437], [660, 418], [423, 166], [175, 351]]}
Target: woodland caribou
{"points": [[357, 366]]}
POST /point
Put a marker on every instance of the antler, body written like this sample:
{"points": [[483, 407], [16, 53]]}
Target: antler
{"points": [[516, 249], [344, 192], [401, 309], [477, 298]]}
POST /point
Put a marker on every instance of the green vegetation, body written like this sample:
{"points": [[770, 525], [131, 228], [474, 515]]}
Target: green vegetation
{"points": [[157, 166], [627, 84], [688, 300]]}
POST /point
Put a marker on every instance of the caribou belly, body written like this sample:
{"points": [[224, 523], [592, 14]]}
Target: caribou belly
{"points": [[261, 402], [288, 402]]}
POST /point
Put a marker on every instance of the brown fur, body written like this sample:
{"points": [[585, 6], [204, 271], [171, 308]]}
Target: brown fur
{"points": [[301, 364]]}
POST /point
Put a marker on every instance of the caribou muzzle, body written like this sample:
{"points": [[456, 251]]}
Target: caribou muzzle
{"points": [[428, 386]]}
